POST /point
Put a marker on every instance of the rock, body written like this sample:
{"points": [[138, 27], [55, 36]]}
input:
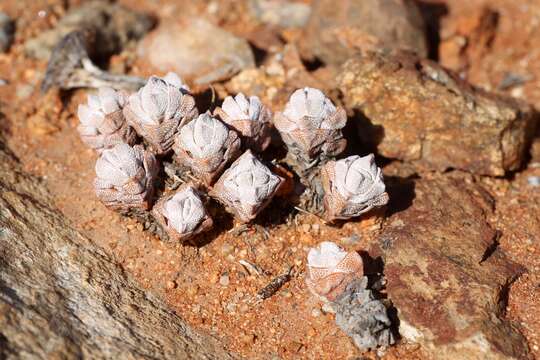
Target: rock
{"points": [[281, 13], [62, 297], [414, 110], [116, 26], [339, 29], [7, 30], [446, 277], [196, 50]]}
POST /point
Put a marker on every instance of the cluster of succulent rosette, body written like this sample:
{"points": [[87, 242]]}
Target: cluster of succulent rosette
{"points": [[136, 133]]}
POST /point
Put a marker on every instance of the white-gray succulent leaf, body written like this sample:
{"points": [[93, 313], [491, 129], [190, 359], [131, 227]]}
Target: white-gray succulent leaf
{"points": [[204, 137], [326, 256], [184, 211], [358, 179], [125, 175], [250, 181], [242, 108], [309, 108], [159, 100], [92, 114]]}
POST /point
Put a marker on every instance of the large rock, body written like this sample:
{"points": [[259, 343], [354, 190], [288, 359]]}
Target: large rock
{"points": [[197, 50], [414, 110], [62, 298], [446, 277], [116, 26], [339, 29]]}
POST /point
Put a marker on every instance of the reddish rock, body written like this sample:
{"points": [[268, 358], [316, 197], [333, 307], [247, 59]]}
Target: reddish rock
{"points": [[445, 275], [339, 29], [415, 110]]}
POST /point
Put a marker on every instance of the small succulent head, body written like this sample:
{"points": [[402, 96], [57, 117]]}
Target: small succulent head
{"points": [[330, 269], [206, 146], [250, 118], [352, 186], [246, 187], [311, 125], [182, 214], [102, 122], [159, 109], [125, 177]]}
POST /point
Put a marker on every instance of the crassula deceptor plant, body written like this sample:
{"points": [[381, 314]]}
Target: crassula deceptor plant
{"points": [[246, 187], [311, 126], [103, 124], [250, 118], [330, 269], [125, 177], [352, 186], [159, 109], [206, 146], [182, 214]]}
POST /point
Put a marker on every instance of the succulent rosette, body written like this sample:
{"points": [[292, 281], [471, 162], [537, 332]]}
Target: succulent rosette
{"points": [[250, 117], [330, 269], [182, 214], [159, 109], [102, 122], [206, 146], [125, 177], [246, 187], [311, 125], [352, 186]]}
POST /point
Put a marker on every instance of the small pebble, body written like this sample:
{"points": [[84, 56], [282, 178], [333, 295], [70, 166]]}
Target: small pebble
{"points": [[227, 249], [328, 309], [534, 181], [316, 312], [171, 284], [350, 240], [224, 280]]}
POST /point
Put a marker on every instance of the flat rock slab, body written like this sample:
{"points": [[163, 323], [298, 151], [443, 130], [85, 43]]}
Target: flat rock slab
{"points": [[340, 29], [414, 110], [63, 298], [446, 277], [197, 50]]}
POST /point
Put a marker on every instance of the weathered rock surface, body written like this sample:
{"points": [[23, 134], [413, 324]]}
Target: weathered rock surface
{"points": [[116, 25], [281, 13], [62, 298], [197, 50], [414, 110], [339, 29], [446, 277]]}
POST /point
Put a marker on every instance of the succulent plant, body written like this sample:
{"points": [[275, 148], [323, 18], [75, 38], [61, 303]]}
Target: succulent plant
{"points": [[206, 146], [182, 214], [246, 187], [352, 186], [311, 126], [363, 317], [125, 177], [159, 109], [250, 118], [103, 124], [330, 269]]}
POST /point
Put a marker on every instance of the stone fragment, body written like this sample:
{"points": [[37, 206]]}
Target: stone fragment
{"points": [[63, 297], [282, 13], [445, 275], [197, 50], [414, 110], [339, 29], [116, 26], [7, 31]]}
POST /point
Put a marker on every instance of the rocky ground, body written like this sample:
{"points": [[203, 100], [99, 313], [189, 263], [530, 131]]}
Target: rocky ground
{"points": [[459, 241]]}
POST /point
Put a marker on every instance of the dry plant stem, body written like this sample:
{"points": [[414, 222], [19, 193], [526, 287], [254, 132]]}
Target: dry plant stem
{"points": [[71, 67]]}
